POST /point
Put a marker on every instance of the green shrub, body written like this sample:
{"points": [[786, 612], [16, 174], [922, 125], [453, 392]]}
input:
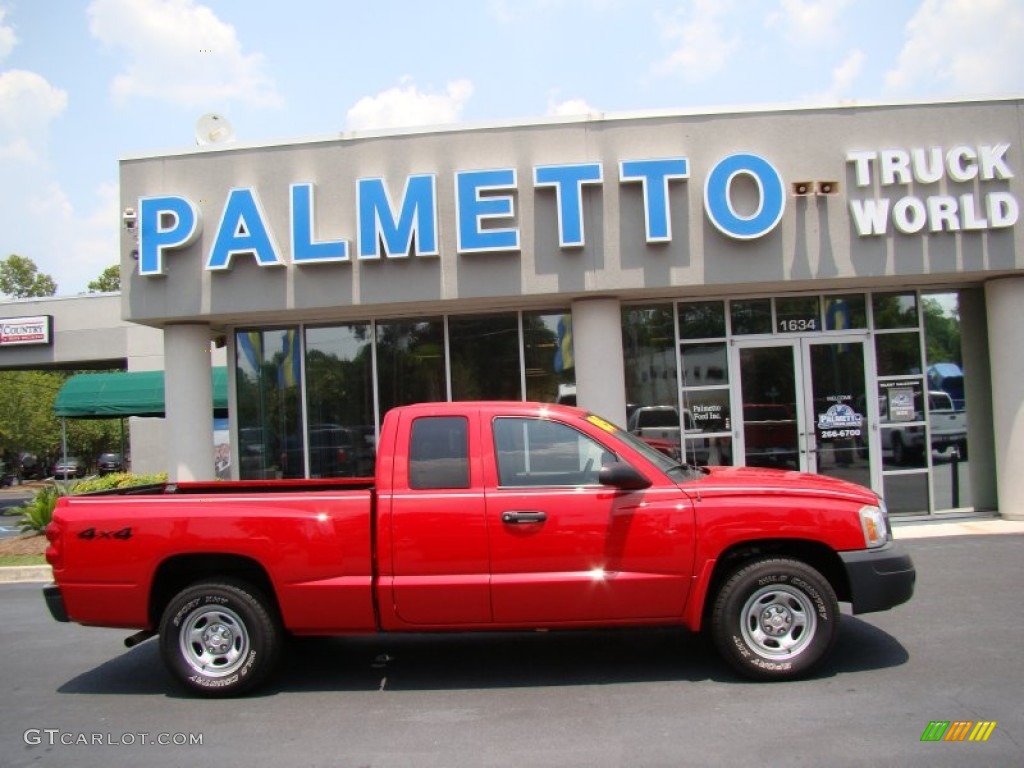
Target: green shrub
{"points": [[116, 480], [37, 513]]}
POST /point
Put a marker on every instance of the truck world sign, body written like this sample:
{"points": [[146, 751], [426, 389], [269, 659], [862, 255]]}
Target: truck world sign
{"points": [[485, 211]]}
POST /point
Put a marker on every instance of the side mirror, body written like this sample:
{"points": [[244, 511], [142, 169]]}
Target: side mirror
{"points": [[622, 476]]}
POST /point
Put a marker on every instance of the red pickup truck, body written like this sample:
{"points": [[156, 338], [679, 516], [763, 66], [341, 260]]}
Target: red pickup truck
{"points": [[482, 516]]}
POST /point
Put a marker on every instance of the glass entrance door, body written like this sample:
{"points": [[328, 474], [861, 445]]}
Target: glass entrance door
{"points": [[805, 406]]}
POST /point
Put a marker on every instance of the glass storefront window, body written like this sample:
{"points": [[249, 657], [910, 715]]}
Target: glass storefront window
{"points": [[704, 364], [797, 314], [898, 354], [267, 365], [702, 320], [751, 316], [548, 352], [894, 310], [410, 363], [845, 312], [484, 356], [340, 434], [706, 410], [648, 347], [906, 493]]}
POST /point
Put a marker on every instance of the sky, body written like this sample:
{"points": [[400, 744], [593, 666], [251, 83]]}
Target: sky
{"points": [[84, 83]]}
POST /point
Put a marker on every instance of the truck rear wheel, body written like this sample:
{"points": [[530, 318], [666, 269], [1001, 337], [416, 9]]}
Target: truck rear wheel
{"points": [[220, 638], [774, 619]]}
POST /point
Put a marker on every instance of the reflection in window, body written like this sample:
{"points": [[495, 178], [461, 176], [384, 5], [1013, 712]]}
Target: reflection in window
{"points": [[898, 354], [340, 435], [410, 363], [751, 316], [268, 365], [706, 410], [648, 347], [484, 355], [704, 364], [797, 314], [702, 320], [894, 310], [439, 453], [548, 352], [535, 452], [845, 312]]}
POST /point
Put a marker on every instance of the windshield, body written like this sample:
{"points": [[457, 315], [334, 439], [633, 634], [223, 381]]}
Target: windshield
{"points": [[677, 472]]}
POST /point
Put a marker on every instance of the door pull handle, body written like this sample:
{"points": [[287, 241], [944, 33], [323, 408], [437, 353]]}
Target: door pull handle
{"points": [[515, 518]]}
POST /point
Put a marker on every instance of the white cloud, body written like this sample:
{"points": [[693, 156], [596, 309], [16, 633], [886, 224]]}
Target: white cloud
{"points": [[804, 22], [405, 105], [961, 47], [844, 76], [181, 53], [94, 235], [568, 107], [700, 45], [7, 37], [28, 104]]}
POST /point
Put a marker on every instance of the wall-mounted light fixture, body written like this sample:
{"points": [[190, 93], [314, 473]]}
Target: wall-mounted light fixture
{"points": [[803, 188], [828, 187]]}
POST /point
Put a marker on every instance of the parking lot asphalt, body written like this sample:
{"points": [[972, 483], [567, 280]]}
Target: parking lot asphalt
{"points": [[639, 698]]}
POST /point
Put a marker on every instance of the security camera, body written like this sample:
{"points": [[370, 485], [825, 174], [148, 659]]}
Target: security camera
{"points": [[130, 218]]}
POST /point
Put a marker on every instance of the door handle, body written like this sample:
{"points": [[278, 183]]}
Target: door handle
{"points": [[517, 517]]}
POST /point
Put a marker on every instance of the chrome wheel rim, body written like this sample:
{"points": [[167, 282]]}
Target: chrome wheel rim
{"points": [[214, 641], [778, 621]]}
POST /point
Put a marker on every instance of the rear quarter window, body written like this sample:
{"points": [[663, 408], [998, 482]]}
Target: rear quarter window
{"points": [[439, 453]]}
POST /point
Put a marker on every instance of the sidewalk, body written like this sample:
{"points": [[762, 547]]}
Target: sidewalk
{"points": [[911, 529]]}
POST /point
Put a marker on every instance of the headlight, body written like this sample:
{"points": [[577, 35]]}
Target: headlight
{"points": [[874, 521]]}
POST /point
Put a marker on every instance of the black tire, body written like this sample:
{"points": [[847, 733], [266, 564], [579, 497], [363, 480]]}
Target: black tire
{"points": [[220, 638], [775, 619]]}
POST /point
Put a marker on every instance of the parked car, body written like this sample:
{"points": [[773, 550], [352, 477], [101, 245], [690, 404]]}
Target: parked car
{"points": [[70, 466], [110, 462], [31, 467]]}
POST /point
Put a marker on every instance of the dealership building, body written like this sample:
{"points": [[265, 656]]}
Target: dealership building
{"points": [[747, 287]]}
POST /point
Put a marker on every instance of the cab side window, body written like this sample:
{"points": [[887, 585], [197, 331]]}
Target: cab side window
{"points": [[439, 453], [537, 452]]}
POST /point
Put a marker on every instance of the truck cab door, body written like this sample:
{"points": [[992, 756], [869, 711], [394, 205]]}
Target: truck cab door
{"points": [[566, 549], [432, 539]]}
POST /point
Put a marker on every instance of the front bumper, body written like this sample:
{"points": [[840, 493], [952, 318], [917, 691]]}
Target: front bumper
{"points": [[879, 578], [55, 602]]}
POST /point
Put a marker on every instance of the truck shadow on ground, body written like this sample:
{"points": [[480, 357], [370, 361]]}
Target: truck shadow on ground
{"points": [[491, 660]]}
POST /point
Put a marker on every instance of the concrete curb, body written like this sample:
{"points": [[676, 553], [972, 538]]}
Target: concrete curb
{"points": [[26, 574], [901, 531]]}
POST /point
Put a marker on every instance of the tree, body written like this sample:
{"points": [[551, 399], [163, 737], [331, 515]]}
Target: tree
{"points": [[109, 281], [21, 279]]}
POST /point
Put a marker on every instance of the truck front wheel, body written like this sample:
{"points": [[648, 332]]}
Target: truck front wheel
{"points": [[774, 619], [220, 638]]}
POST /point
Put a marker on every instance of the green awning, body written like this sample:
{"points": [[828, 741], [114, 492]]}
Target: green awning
{"points": [[125, 393]]}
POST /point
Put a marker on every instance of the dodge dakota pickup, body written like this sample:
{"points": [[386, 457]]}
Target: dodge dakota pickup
{"points": [[480, 516]]}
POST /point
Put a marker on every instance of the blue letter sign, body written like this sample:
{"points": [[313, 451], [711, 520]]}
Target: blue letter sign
{"points": [[473, 208], [655, 176], [718, 197], [568, 181], [164, 223], [304, 250], [416, 220], [243, 230]]}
